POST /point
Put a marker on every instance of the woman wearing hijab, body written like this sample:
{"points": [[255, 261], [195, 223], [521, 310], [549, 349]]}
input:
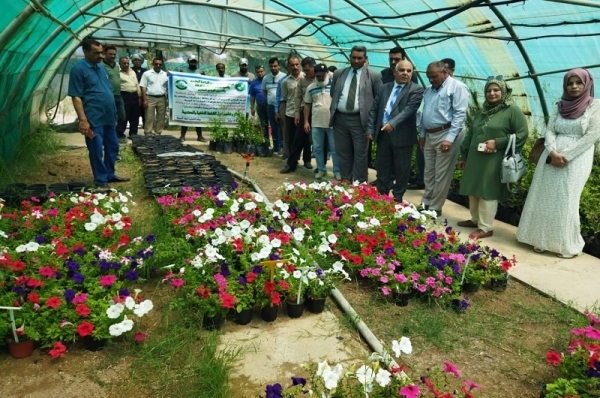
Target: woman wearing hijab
{"points": [[550, 218], [481, 155]]}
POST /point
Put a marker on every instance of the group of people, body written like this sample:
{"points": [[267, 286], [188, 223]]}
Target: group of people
{"points": [[346, 110]]}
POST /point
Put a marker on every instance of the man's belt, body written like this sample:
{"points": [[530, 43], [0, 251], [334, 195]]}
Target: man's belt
{"points": [[129, 92], [438, 129], [156, 96]]}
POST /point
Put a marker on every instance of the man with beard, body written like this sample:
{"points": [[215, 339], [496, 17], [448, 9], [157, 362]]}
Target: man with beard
{"points": [[221, 70], [193, 69], [317, 100], [243, 72]]}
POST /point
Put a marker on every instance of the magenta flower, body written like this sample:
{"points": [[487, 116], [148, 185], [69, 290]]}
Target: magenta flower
{"points": [[449, 367], [80, 298], [592, 333], [107, 280], [470, 385], [177, 282], [411, 391]]}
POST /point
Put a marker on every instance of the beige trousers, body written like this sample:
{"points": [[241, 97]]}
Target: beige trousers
{"points": [[157, 106], [483, 212]]}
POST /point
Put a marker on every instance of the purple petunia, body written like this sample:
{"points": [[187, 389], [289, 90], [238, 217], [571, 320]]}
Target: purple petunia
{"points": [[274, 391], [78, 278], [298, 380], [72, 265], [124, 292], [131, 275], [80, 251], [69, 295], [150, 238], [225, 269], [40, 239], [242, 281], [257, 269]]}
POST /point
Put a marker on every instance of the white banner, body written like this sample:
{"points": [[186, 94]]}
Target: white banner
{"points": [[194, 100]]}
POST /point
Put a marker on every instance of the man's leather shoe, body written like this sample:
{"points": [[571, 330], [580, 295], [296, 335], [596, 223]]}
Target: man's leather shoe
{"points": [[118, 179], [102, 188], [373, 183], [287, 169], [480, 234], [201, 139], [415, 186], [467, 224]]}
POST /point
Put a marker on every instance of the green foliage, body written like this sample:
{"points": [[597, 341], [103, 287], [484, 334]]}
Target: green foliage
{"points": [[248, 130], [218, 131]]}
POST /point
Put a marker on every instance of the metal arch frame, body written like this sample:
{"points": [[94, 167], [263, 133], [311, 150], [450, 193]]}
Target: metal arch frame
{"points": [[83, 11], [16, 23], [532, 71]]}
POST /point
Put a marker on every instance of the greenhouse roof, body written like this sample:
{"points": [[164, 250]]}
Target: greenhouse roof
{"points": [[530, 42]]}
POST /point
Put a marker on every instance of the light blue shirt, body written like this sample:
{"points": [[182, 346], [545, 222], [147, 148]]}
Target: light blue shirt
{"points": [[390, 103], [270, 84], [278, 94], [447, 104], [343, 98]]}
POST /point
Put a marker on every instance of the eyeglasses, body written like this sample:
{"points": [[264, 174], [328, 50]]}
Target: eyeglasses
{"points": [[498, 77]]}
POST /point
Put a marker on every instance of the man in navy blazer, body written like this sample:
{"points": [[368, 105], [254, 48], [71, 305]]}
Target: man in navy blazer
{"points": [[353, 90], [392, 125]]}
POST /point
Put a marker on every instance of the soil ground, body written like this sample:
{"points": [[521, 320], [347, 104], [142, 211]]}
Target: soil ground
{"points": [[511, 366]]}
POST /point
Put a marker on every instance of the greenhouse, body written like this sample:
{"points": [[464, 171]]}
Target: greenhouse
{"points": [[531, 43]]}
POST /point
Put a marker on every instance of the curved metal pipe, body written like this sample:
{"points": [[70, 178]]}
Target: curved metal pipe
{"points": [[16, 23], [534, 77]]}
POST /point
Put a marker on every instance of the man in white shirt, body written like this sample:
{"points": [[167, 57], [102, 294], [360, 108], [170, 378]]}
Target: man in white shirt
{"points": [[132, 97], [154, 97], [269, 87], [443, 116]]}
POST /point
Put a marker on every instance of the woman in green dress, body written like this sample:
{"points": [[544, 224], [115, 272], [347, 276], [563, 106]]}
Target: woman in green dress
{"points": [[481, 155]]}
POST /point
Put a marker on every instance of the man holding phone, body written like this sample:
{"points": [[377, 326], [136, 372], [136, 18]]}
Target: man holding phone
{"points": [[94, 103]]}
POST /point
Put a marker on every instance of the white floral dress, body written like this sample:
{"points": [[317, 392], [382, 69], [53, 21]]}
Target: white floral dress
{"points": [[550, 217]]}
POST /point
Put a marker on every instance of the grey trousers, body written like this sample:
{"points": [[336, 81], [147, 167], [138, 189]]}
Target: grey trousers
{"points": [[439, 168], [351, 145]]}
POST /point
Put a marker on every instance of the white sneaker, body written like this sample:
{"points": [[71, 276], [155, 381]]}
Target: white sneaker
{"points": [[338, 176], [320, 175]]}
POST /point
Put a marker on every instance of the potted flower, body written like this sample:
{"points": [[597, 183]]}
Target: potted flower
{"points": [[269, 292], [321, 282], [242, 289], [219, 133], [297, 280], [498, 270], [21, 339]]}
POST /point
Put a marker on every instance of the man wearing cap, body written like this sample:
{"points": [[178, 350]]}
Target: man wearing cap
{"points": [[114, 72], [154, 97], [317, 100], [138, 61], [93, 100], [243, 72], [258, 101], [442, 121], [132, 97], [353, 90], [192, 68], [392, 125]]}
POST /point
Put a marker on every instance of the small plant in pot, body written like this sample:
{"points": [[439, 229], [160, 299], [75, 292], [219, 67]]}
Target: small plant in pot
{"points": [[498, 272], [244, 294], [219, 132]]}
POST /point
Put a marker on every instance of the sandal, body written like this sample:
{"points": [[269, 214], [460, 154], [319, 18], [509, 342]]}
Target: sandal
{"points": [[467, 224], [480, 234], [538, 250], [565, 256]]}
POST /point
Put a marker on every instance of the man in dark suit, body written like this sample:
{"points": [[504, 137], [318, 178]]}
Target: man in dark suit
{"points": [[392, 125], [350, 116]]}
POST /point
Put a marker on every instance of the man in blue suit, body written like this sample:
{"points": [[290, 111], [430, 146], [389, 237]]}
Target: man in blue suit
{"points": [[392, 125]]}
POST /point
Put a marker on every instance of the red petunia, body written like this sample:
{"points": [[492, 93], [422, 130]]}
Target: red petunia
{"points": [[269, 287], [553, 358], [275, 298], [251, 277], [17, 265], [33, 297], [124, 239], [356, 259], [58, 350], [82, 310], [53, 302], [140, 336], [227, 301], [284, 285], [85, 329]]}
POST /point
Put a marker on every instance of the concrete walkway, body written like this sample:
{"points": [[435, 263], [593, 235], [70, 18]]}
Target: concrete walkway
{"points": [[575, 282]]}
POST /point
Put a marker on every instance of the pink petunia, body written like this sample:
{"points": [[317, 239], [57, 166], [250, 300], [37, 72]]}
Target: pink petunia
{"points": [[471, 386], [107, 280], [449, 367], [139, 337], [592, 333], [177, 282], [593, 318], [386, 291], [411, 391], [400, 278], [80, 298]]}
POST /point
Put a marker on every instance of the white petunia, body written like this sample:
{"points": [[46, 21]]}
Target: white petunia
{"points": [[402, 346], [129, 303], [120, 225], [127, 325], [360, 207], [116, 217], [330, 379], [245, 224], [115, 310], [32, 246], [222, 196], [97, 218], [383, 377], [90, 226], [311, 275], [250, 206], [116, 330], [332, 238], [276, 243], [287, 229], [124, 209], [365, 375], [143, 308], [196, 213]]}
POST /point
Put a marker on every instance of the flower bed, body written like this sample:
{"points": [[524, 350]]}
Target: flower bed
{"points": [[68, 265], [395, 245]]}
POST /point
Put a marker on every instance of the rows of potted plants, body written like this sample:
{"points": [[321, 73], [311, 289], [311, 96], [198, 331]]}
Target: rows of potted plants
{"points": [[236, 255], [246, 137], [67, 266], [402, 250]]}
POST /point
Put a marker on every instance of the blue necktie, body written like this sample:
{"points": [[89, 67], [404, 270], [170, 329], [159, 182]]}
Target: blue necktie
{"points": [[390, 104]]}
